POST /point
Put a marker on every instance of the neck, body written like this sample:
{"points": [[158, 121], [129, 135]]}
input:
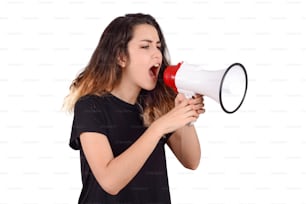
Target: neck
{"points": [[126, 90]]}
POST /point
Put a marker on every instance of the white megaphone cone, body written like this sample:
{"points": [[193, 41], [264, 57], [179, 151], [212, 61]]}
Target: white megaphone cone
{"points": [[227, 87]]}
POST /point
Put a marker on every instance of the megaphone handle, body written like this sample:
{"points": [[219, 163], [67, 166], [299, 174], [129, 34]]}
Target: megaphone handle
{"points": [[189, 95]]}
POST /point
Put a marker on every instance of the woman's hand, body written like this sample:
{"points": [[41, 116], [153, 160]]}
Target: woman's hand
{"points": [[197, 102], [185, 112]]}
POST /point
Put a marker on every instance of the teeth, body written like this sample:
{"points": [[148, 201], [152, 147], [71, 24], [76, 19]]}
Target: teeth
{"points": [[156, 65]]}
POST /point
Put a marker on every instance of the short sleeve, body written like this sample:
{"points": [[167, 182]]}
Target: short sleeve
{"points": [[87, 118]]}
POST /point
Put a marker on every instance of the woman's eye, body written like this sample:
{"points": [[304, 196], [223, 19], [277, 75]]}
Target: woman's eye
{"points": [[148, 47]]}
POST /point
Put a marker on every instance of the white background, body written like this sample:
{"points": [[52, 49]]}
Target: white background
{"points": [[255, 156]]}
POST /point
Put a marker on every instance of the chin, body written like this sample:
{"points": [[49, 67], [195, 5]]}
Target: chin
{"points": [[149, 88]]}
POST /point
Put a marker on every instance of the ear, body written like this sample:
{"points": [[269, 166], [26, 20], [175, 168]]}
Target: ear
{"points": [[122, 61]]}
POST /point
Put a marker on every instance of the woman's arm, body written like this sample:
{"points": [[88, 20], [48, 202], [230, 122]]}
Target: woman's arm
{"points": [[184, 142], [185, 145], [113, 173]]}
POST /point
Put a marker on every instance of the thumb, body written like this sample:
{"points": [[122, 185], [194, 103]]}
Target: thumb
{"points": [[179, 98]]}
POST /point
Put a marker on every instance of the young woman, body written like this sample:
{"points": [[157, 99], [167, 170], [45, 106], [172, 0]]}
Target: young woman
{"points": [[124, 115]]}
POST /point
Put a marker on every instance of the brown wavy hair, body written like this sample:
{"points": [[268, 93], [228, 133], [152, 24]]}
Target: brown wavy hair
{"points": [[103, 72]]}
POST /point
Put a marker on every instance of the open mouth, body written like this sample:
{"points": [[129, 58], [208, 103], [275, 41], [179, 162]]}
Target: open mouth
{"points": [[154, 70]]}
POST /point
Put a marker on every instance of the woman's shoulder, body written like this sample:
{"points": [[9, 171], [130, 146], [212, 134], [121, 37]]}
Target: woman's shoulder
{"points": [[91, 102], [88, 97]]}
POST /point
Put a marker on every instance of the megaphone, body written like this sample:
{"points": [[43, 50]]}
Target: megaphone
{"points": [[228, 87]]}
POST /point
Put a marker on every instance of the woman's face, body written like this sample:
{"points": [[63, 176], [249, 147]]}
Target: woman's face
{"points": [[145, 58]]}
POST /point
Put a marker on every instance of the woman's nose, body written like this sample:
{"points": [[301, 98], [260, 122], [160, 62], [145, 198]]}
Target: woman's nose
{"points": [[157, 53]]}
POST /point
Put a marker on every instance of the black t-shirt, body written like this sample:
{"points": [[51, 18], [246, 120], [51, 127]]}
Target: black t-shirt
{"points": [[122, 125]]}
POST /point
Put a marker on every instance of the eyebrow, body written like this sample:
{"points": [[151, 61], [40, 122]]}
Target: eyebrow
{"points": [[150, 41]]}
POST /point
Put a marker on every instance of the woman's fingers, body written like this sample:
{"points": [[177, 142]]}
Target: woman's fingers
{"points": [[197, 103]]}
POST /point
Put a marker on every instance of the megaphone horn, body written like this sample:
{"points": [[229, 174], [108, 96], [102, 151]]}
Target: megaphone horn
{"points": [[228, 87]]}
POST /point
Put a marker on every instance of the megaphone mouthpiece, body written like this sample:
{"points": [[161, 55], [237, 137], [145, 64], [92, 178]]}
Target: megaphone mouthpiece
{"points": [[169, 75]]}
